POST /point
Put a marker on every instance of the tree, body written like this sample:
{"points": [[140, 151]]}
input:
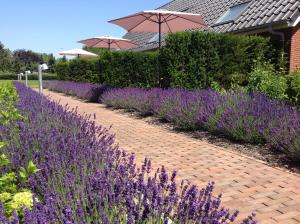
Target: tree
{"points": [[6, 59], [28, 59]]}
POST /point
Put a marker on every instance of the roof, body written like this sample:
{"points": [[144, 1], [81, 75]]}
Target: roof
{"points": [[259, 13]]}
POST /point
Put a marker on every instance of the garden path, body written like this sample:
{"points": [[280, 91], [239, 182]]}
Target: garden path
{"points": [[247, 183]]}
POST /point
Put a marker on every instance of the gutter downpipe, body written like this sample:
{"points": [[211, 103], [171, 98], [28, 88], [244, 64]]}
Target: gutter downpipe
{"points": [[281, 35]]}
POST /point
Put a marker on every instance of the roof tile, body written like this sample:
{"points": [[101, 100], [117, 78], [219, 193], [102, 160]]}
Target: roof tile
{"points": [[258, 13]]}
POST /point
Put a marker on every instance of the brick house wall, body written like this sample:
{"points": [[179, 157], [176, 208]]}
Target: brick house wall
{"points": [[295, 49]]}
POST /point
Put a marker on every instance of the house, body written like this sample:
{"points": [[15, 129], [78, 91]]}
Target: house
{"points": [[278, 19]]}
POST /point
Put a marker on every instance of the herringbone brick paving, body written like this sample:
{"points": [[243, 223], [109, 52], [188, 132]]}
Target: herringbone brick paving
{"points": [[246, 183]]}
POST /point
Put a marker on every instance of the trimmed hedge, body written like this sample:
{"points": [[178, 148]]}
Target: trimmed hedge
{"points": [[196, 59], [11, 76], [190, 60], [114, 68]]}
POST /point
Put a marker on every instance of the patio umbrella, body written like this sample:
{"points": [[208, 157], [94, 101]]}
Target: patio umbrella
{"points": [[79, 53], [160, 20], [108, 42]]}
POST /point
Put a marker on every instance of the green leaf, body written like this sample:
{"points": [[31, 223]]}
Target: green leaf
{"points": [[3, 160], [31, 168], [23, 175]]}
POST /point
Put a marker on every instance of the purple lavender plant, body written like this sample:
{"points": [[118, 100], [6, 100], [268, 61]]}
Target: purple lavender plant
{"points": [[86, 91], [247, 117], [84, 178]]}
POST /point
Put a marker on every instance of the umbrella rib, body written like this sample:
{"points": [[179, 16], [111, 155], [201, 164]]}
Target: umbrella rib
{"points": [[125, 17], [203, 24], [172, 18], [146, 18], [118, 45], [99, 41], [149, 18], [166, 22]]}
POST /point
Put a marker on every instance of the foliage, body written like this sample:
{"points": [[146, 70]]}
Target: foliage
{"points": [[12, 196], [8, 96], [293, 91], [265, 80], [242, 116], [33, 76], [6, 59], [62, 70], [196, 59], [113, 68], [125, 69], [189, 60], [85, 178], [27, 59], [22, 60]]}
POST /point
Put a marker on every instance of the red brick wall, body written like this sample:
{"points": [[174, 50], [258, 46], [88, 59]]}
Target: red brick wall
{"points": [[295, 49]]}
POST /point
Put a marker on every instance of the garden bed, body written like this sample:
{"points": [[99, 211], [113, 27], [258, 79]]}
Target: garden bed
{"points": [[271, 127], [83, 177]]}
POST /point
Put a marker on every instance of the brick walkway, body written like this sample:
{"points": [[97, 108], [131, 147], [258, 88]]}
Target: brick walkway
{"points": [[246, 183]]}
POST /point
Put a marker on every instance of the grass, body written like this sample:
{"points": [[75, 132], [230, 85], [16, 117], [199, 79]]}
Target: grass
{"points": [[31, 83]]}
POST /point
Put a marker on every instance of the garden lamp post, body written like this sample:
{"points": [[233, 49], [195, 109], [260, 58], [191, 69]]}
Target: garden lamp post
{"points": [[26, 77], [40, 70]]}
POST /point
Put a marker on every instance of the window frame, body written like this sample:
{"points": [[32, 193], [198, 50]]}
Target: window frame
{"points": [[219, 20]]}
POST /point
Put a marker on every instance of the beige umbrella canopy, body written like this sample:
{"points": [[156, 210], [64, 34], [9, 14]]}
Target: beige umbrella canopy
{"points": [[79, 53], [108, 42], [161, 21]]}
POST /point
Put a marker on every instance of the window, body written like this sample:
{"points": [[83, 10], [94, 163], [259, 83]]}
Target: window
{"points": [[185, 9], [154, 39], [232, 13]]}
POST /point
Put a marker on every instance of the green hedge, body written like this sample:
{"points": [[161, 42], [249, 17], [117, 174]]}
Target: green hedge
{"points": [[196, 59], [11, 76], [189, 59], [114, 68]]}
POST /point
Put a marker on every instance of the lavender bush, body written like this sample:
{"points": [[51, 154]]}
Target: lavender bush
{"points": [[84, 178], [245, 117], [86, 91]]}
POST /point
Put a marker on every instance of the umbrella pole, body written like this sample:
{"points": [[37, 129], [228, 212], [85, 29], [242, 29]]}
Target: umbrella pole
{"points": [[159, 30], [159, 47]]}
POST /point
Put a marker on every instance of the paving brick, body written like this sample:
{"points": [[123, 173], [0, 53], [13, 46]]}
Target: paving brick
{"points": [[248, 184]]}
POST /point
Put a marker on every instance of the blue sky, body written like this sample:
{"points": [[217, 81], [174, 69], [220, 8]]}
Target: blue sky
{"points": [[53, 25]]}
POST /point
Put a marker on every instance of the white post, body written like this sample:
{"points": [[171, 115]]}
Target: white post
{"points": [[40, 79], [26, 79]]}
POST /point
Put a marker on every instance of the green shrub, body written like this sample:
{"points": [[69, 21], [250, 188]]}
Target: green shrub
{"points": [[189, 60], [14, 76], [265, 79], [196, 59], [13, 195], [122, 69], [294, 87], [62, 70], [129, 69], [8, 97]]}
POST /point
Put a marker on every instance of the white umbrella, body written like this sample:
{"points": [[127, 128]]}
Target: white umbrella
{"points": [[79, 53], [161, 21], [108, 42]]}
